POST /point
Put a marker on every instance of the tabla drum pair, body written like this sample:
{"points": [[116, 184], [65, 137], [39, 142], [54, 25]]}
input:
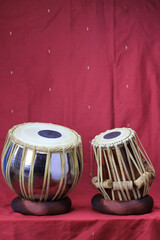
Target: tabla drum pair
{"points": [[124, 173], [42, 163]]}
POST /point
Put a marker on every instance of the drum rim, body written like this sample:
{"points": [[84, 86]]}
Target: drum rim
{"points": [[117, 142], [59, 148]]}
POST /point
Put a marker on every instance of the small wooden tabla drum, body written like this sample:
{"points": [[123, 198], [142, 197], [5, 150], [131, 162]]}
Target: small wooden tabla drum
{"points": [[42, 163], [124, 173]]}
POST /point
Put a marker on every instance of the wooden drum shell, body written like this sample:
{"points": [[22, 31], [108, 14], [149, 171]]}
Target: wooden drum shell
{"points": [[123, 171]]}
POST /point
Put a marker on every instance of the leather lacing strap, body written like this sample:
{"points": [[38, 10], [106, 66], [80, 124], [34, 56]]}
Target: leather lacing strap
{"points": [[120, 179]]}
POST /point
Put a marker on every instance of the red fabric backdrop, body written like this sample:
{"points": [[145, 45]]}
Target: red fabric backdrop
{"points": [[90, 66]]}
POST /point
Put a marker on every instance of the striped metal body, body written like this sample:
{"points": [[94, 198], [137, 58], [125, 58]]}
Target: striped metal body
{"points": [[41, 175]]}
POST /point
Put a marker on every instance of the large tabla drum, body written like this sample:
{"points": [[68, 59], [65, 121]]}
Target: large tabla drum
{"points": [[124, 173], [42, 163]]}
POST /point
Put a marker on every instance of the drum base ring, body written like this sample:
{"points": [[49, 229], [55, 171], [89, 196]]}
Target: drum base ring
{"points": [[133, 207], [37, 208]]}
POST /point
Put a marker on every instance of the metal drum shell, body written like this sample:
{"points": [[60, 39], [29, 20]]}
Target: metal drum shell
{"points": [[25, 171]]}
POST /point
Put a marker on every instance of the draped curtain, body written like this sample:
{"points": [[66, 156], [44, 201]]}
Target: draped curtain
{"points": [[90, 65]]}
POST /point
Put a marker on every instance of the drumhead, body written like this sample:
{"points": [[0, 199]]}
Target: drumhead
{"points": [[113, 137], [45, 135]]}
